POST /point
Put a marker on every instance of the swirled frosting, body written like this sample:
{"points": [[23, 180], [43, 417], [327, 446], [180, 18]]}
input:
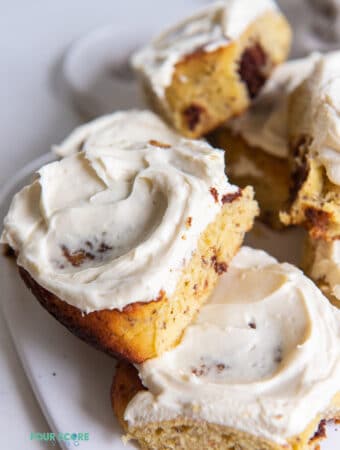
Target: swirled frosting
{"points": [[265, 124], [123, 127], [215, 26], [316, 114], [116, 224], [326, 264], [263, 356]]}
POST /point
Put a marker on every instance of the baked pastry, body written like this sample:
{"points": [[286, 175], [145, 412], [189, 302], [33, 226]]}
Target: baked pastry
{"points": [[315, 149], [258, 369], [120, 127], [257, 143], [123, 243], [208, 68], [321, 262]]}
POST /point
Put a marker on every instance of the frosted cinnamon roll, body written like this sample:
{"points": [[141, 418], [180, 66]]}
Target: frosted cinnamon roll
{"points": [[123, 243], [314, 132], [259, 368]]}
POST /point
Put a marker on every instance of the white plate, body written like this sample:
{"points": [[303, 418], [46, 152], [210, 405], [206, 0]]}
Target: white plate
{"points": [[71, 380], [97, 71]]}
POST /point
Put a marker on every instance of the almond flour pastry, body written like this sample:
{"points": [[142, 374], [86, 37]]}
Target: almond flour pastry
{"points": [[315, 148], [123, 243], [322, 263], [208, 68], [121, 127], [257, 143], [259, 368]]}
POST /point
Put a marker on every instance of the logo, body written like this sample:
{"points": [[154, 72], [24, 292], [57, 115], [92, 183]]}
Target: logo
{"points": [[70, 439]]}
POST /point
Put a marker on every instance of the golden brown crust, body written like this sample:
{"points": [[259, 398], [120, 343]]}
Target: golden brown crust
{"points": [[209, 88], [106, 330], [144, 330], [126, 384]]}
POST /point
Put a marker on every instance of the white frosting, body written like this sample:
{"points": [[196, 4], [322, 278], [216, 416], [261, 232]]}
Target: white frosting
{"points": [[326, 265], [120, 127], [215, 26], [263, 356], [323, 103], [122, 212], [265, 124], [316, 25]]}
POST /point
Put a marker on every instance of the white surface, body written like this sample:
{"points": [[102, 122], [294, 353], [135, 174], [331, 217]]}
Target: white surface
{"points": [[71, 380]]}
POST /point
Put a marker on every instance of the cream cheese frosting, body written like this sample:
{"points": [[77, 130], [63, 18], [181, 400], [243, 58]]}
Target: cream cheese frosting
{"points": [[108, 226], [319, 101], [263, 356], [265, 124], [326, 265], [120, 127], [215, 26]]}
